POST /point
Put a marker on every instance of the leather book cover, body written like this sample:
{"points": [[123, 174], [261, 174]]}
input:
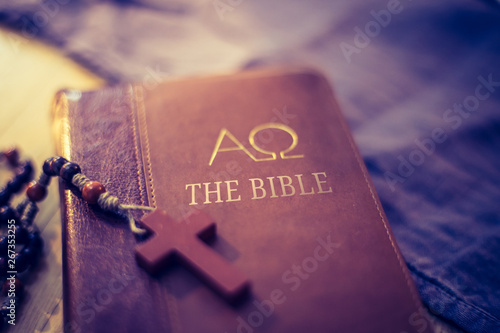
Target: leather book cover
{"points": [[268, 157]]}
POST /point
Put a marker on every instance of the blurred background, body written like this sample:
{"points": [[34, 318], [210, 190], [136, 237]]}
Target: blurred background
{"points": [[418, 81]]}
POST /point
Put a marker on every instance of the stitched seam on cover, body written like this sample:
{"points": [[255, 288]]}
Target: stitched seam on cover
{"points": [[402, 263], [172, 306], [438, 285], [137, 143], [141, 111]]}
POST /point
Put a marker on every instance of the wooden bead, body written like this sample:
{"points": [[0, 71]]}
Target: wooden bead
{"points": [[35, 242], [68, 170], [36, 192], [29, 255], [56, 165], [46, 167], [4, 244], [3, 266], [7, 213], [26, 172], [22, 260], [22, 235], [91, 191], [4, 197], [15, 184], [12, 156]]}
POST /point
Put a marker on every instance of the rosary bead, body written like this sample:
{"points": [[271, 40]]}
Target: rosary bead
{"points": [[68, 170], [28, 239], [30, 256], [5, 310], [4, 196], [26, 172], [46, 167], [14, 185], [22, 261], [36, 192], [18, 285], [56, 165], [12, 156], [32, 252], [7, 213], [91, 191], [4, 244], [3, 319], [22, 235], [3, 266], [35, 242]]}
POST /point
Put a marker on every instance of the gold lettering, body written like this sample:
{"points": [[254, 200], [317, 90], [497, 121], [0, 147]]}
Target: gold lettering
{"points": [[284, 186], [255, 188], [239, 146], [319, 182], [193, 198], [283, 127], [208, 192], [229, 190], [302, 192], [251, 138], [273, 191]]}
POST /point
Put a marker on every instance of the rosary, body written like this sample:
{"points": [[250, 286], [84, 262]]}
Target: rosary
{"points": [[21, 246], [166, 240]]}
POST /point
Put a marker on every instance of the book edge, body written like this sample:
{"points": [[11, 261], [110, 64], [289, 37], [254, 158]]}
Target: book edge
{"points": [[383, 218]]}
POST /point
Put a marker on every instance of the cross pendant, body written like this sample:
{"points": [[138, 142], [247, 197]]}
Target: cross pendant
{"points": [[184, 243]]}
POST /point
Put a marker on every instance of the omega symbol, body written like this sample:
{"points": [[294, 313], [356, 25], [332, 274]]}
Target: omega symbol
{"points": [[251, 138]]}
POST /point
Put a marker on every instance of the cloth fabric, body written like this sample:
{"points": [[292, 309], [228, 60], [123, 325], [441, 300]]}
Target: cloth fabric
{"points": [[418, 81]]}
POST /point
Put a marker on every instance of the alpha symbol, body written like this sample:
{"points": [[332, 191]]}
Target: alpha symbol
{"points": [[251, 139]]}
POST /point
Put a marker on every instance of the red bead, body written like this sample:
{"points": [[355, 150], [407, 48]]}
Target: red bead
{"points": [[36, 192], [17, 285], [12, 156], [91, 191]]}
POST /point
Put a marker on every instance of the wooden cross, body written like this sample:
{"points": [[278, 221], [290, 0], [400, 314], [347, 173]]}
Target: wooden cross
{"points": [[179, 241]]}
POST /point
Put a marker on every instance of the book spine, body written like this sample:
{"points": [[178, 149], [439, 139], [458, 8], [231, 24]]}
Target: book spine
{"points": [[100, 274]]}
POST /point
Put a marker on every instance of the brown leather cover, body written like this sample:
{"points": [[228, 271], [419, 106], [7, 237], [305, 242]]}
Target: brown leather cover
{"points": [[318, 262]]}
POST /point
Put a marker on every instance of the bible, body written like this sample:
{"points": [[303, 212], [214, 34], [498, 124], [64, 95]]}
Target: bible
{"points": [[258, 174]]}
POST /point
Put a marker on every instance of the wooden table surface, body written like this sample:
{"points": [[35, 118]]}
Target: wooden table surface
{"points": [[31, 73]]}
